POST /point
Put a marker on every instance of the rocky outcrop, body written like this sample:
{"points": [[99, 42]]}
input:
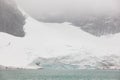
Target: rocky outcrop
{"points": [[11, 19]]}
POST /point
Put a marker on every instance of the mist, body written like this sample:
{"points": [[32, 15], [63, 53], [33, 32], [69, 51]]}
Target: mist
{"points": [[97, 17], [71, 7]]}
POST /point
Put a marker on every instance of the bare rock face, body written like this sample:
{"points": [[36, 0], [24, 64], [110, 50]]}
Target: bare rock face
{"points": [[11, 19]]}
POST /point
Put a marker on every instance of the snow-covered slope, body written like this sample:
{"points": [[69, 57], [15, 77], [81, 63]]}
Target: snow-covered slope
{"points": [[50, 40], [97, 17], [53, 40]]}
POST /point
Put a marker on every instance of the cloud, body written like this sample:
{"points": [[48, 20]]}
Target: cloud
{"points": [[37, 7], [77, 12]]}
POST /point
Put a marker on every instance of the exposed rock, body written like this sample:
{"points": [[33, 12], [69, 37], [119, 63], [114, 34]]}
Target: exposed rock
{"points": [[11, 19]]}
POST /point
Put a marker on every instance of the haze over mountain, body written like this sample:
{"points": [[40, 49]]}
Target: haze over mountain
{"points": [[97, 17]]}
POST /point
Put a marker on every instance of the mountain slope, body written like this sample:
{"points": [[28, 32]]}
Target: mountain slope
{"points": [[97, 25], [54, 40], [11, 19], [97, 17]]}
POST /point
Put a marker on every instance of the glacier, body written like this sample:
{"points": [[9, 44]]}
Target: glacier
{"points": [[53, 40], [62, 41]]}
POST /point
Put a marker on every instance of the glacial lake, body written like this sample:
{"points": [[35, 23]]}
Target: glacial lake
{"points": [[59, 74]]}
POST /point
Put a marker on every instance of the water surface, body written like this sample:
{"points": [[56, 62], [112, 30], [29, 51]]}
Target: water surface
{"points": [[59, 75]]}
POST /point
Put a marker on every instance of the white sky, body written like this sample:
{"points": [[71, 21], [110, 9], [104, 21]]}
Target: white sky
{"points": [[73, 7]]}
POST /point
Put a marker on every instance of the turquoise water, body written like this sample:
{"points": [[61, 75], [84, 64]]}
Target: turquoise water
{"points": [[60, 75]]}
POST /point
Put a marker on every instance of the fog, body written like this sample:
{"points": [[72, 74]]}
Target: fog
{"points": [[73, 7], [98, 17]]}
